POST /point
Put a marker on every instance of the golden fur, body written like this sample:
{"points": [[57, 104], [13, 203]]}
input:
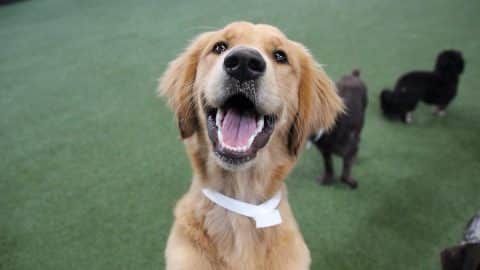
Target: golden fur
{"points": [[204, 235]]}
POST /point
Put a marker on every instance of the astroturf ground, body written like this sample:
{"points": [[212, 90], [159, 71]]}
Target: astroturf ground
{"points": [[91, 165]]}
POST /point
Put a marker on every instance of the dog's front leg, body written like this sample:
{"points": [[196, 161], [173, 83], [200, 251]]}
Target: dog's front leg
{"points": [[327, 177], [181, 254], [347, 170], [439, 111]]}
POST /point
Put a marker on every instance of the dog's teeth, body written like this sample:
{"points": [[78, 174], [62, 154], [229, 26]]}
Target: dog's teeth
{"points": [[250, 140], [219, 117], [220, 137], [260, 124], [238, 149]]}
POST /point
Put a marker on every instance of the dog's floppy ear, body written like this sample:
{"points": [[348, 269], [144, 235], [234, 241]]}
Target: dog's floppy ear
{"points": [[460, 63], [177, 85], [318, 102]]}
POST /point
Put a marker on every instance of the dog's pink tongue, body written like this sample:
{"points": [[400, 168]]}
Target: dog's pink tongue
{"points": [[238, 127]]}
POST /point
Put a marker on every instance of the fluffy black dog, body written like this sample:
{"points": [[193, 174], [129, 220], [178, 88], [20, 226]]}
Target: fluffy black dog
{"points": [[344, 138], [437, 87]]}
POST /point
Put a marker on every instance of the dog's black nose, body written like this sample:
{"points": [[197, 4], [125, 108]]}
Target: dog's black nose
{"points": [[244, 64]]}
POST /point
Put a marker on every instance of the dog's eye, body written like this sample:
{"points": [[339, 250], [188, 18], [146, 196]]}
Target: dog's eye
{"points": [[280, 57], [220, 47]]}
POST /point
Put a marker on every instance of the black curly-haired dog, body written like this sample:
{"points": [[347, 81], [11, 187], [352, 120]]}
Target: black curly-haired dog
{"points": [[344, 138], [437, 87]]}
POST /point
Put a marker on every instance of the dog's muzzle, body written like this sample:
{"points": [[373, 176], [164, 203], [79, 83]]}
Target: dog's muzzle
{"points": [[238, 125]]}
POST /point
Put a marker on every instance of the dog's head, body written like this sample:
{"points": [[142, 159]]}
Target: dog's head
{"points": [[248, 87], [450, 62]]}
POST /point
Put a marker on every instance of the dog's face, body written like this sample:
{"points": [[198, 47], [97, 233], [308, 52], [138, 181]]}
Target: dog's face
{"points": [[450, 62], [247, 86]]}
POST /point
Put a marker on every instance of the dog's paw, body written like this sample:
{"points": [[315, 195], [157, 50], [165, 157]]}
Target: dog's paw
{"points": [[325, 180], [350, 181], [440, 113], [308, 145], [408, 118]]}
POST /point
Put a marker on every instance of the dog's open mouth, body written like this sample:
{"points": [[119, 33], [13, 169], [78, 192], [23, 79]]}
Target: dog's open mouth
{"points": [[237, 130]]}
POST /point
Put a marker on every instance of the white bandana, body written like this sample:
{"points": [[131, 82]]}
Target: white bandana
{"points": [[265, 214]]}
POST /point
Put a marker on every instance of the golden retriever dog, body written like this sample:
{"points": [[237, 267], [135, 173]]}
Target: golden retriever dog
{"points": [[245, 98]]}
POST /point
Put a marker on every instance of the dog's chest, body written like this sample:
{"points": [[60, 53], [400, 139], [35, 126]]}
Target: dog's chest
{"points": [[241, 245], [235, 237]]}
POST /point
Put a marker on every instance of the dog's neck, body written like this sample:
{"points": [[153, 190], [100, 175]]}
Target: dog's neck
{"points": [[251, 185], [448, 77]]}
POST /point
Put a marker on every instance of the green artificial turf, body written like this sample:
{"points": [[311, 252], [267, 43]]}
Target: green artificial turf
{"points": [[91, 164]]}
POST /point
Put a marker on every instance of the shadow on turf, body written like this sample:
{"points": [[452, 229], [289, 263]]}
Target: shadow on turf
{"points": [[11, 2], [399, 225]]}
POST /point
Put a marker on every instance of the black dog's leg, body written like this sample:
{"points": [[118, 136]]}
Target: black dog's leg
{"points": [[440, 110], [327, 177], [407, 117], [346, 178]]}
